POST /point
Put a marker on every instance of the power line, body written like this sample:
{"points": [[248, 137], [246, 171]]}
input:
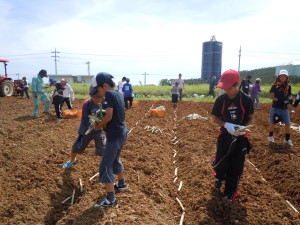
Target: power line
{"points": [[44, 53], [55, 60]]}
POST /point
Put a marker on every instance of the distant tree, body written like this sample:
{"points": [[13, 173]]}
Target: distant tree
{"points": [[165, 82]]}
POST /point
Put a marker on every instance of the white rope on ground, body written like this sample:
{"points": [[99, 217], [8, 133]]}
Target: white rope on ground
{"points": [[94, 176], [176, 169], [81, 185], [182, 218], [290, 204], [177, 199], [175, 179], [176, 142], [73, 195], [180, 186], [66, 199]]}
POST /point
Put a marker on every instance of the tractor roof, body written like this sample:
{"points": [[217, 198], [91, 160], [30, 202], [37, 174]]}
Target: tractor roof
{"points": [[3, 60]]}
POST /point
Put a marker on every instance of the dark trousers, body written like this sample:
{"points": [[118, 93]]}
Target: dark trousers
{"points": [[57, 102], [126, 99], [68, 101], [296, 102], [180, 94], [25, 89], [230, 159], [211, 91], [83, 141]]}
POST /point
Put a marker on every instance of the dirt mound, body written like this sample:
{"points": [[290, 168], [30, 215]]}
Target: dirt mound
{"points": [[167, 161]]}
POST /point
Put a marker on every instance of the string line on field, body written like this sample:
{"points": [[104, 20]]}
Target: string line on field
{"points": [[290, 204]]}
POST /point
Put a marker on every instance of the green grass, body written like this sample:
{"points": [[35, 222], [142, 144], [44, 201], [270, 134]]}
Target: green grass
{"points": [[164, 92]]}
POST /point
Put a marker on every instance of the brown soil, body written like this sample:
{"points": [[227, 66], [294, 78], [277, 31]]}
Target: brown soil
{"points": [[33, 183]]}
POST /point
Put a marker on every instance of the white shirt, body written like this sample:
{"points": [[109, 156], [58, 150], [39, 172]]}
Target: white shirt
{"points": [[68, 90], [120, 85], [180, 83]]}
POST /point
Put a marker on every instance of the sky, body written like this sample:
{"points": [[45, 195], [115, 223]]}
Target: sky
{"points": [[159, 38]]}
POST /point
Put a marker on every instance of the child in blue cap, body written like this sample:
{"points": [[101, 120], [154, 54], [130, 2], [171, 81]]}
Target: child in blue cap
{"points": [[116, 134]]}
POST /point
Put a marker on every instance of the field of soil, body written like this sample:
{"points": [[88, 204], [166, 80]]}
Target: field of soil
{"points": [[167, 161]]}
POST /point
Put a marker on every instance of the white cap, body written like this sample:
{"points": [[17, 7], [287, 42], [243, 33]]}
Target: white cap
{"points": [[283, 72]]}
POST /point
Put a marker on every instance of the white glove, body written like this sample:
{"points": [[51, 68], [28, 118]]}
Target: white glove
{"points": [[230, 127], [73, 99], [237, 132], [233, 129]]}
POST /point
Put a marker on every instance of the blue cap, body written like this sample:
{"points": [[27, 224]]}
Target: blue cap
{"points": [[99, 80], [51, 80]]}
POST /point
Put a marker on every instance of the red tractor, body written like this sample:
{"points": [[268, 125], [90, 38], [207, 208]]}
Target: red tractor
{"points": [[6, 83]]}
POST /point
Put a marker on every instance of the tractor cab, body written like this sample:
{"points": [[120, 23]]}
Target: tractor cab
{"points": [[6, 83]]}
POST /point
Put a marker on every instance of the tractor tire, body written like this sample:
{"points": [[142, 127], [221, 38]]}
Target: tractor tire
{"points": [[6, 88]]}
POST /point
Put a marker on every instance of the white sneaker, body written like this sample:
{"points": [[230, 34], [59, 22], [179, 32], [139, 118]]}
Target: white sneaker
{"points": [[271, 139], [292, 111], [289, 142]]}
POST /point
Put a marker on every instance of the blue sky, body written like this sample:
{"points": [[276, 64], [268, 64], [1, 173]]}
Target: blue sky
{"points": [[159, 37]]}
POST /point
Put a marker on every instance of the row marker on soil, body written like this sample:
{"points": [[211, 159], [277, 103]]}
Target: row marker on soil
{"points": [[175, 179], [73, 195], [277, 194], [176, 169], [94, 176], [251, 163], [182, 218], [292, 206], [180, 186], [176, 142], [263, 179], [66, 199], [174, 154], [81, 185], [174, 162], [177, 199]]}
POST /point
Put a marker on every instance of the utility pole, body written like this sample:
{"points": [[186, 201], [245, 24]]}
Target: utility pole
{"points": [[240, 58], [89, 69], [145, 74], [55, 60], [18, 75]]}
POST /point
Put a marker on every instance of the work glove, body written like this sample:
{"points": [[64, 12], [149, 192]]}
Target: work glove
{"points": [[73, 99], [230, 127], [239, 130], [234, 129]]}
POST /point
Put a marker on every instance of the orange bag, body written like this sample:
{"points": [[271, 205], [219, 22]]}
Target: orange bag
{"points": [[72, 113], [157, 112], [135, 104]]}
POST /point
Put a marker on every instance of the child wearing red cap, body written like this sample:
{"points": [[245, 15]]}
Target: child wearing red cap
{"points": [[232, 111]]}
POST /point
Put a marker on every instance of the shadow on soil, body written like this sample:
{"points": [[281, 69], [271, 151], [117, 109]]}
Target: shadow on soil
{"points": [[58, 208], [220, 212]]}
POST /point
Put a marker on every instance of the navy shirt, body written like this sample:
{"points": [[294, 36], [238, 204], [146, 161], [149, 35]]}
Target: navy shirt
{"points": [[127, 90], [236, 110], [278, 91], [88, 108], [115, 128]]}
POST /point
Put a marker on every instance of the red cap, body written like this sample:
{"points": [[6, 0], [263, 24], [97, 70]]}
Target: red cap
{"points": [[229, 78]]}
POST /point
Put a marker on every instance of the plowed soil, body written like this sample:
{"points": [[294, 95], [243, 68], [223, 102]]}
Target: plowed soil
{"points": [[166, 159]]}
